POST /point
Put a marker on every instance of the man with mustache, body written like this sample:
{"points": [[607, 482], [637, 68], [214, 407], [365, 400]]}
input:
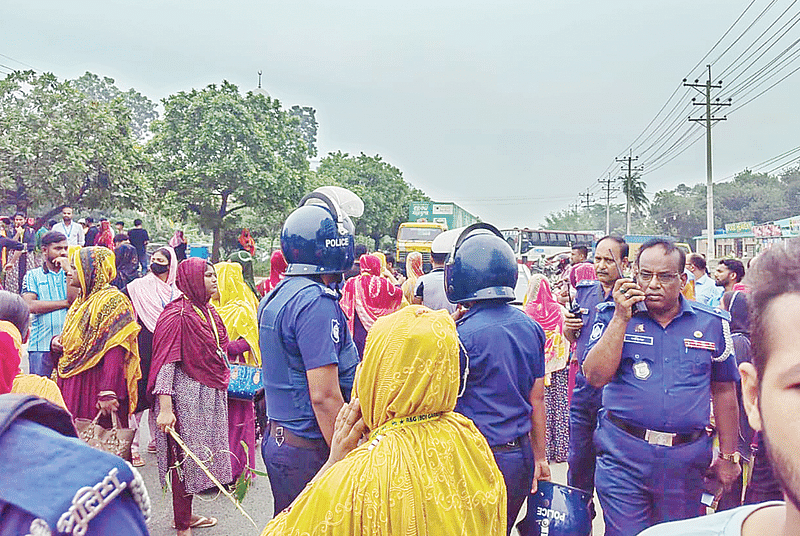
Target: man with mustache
{"points": [[660, 366]]}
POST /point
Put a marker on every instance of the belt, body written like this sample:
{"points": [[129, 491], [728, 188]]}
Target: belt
{"points": [[283, 435], [514, 444], [654, 437]]}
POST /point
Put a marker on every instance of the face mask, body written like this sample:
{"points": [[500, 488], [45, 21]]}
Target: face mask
{"points": [[159, 269]]}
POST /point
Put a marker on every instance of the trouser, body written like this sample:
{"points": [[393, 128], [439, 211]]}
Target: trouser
{"points": [[290, 468], [136, 422], [144, 262], [586, 402], [640, 485], [40, 363], [181, 500], [516, 464], [763, 485]]}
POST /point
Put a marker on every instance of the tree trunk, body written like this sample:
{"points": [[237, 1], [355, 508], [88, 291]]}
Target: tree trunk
{"points": [[217, 233]]}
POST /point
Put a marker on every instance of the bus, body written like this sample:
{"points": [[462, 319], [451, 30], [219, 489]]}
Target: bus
{"points": [[531, 246]]}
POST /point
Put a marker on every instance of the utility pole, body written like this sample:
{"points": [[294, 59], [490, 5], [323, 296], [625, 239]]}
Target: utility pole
{"points": [[586, 199], [705, 90], [628, 179], [608, 190]]}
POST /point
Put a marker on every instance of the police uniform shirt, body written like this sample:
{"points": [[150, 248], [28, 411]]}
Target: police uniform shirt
{"points": [[314, 333], [505, 349], [664, 378], [588, 294]]}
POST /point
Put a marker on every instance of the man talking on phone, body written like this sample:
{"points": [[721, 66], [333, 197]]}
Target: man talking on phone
{"points": [[661, 364]]}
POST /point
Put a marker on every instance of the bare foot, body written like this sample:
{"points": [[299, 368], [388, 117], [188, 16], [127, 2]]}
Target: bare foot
{"points": [[187, 532]]}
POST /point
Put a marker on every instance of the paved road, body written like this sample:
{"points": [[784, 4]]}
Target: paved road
{"points": [[258, 504]]}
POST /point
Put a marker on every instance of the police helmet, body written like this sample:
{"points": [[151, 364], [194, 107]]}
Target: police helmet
{"points": [[481, 266], [443, 243], [557, 510], [318, 237]]}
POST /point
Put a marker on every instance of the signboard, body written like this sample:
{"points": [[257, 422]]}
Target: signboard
{"points": [[763, 231], [442, 209], [739, 227], [418, 210]]}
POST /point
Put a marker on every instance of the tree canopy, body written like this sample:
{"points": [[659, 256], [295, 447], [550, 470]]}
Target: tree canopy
{"points": [[57, 147], [218, 152]]}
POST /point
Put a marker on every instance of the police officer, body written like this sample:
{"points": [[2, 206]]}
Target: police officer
{"points": [[503, 360], [660, 365], [308, 355], [610, 255]]}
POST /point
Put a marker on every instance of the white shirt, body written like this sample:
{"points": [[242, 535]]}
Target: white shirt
{"points": [[726, 523], [73, 232]]}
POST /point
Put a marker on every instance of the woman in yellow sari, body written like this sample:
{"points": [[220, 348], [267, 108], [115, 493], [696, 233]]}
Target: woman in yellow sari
{"points": [[413, 272], [237, 306], [424, 469]]}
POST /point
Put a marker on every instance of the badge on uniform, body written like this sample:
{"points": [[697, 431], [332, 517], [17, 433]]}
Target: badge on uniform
{"points": [[597, 331], [703, 345], [639, 328], [638, 339], [641, 370], [335, 330]]}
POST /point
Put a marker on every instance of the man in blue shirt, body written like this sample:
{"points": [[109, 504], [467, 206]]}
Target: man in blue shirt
{"points": [[308, 355], [502, 357], [44, 289], [706, 290], [611, 255], [660, 366]]}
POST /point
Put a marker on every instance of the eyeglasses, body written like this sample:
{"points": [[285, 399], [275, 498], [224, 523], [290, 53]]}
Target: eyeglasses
{"points": [[663, 278]]}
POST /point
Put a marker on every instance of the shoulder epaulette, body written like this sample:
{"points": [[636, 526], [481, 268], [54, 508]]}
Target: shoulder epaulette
{"points": [[602, 306], [587, 283], [716, 311]]}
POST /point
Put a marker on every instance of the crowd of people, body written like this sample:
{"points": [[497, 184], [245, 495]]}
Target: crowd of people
{"points": [[405, 402]]}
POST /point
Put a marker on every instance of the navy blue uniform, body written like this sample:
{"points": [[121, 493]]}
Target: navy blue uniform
{"points": [[301, 327], [586, 399], [663, 384], [505, 354]]}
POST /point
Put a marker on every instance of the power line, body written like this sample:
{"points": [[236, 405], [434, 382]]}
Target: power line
{"points": [[20, 62]]}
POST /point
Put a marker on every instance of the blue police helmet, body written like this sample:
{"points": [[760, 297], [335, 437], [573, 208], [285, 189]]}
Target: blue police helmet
{"points": [[318, 237], [556, 510], [481, 266]]}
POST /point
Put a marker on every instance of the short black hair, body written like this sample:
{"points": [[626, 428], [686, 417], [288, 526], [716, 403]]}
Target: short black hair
{"points": [[53, 237], [20, 214], [361, 249], [136, 222], [697, 260], [120, 238], [390, 258], [669, 248], [439, 258], [583, 249], [735, 266], [14, 309], [776, 273], [119, 223], [89, 219], [623, 246]]}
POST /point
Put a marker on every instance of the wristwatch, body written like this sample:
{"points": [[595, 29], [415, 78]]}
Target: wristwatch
{"points": [[735, 457]]}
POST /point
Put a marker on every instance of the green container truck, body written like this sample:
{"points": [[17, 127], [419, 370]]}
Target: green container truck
{"points": [[449, 214]]}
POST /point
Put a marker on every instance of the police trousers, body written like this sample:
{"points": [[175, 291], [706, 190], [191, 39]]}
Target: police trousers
{"points": [[640, 485], [586, 402], [290, 468], [516, 464]]}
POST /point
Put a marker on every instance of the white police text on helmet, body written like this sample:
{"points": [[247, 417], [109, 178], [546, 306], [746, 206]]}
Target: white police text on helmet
{"points": [[337, 242], [546, 514]]}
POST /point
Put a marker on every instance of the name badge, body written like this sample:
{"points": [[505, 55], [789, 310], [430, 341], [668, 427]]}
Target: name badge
{"points": [[703, 345], [638, 339]]}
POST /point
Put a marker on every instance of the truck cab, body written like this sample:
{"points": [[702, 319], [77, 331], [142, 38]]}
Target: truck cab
{"points": [[417, 236]]}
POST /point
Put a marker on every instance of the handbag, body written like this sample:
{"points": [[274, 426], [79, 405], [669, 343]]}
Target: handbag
{"points": [[116, 440], [245, 381]]}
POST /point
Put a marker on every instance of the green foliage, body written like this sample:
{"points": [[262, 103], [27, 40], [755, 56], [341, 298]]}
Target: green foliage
{"points": [[58, 147], [307, 126], [380, 185], [217, 152], [593, 219], [142, 109], [634, 190]]}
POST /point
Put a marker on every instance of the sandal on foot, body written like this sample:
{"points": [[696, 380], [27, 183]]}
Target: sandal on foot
{"points": [[136, 460], [204, 522]]}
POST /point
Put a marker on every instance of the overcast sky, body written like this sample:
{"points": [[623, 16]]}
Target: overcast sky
{"points": [[510, 109]]}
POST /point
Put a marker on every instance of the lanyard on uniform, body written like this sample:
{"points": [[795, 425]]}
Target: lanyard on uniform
{"points": [[402, 422], [466, 368], [220, 352]]}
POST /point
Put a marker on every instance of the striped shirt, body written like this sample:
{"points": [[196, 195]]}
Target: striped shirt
{"points": [[48, 286]]}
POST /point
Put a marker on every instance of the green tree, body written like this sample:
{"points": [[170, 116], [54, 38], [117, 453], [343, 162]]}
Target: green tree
{"points": [[307, 117], [218, 152], [59, 148], [142, 109], [680, 213], [635, 191], [593, 219], [385, 193]]}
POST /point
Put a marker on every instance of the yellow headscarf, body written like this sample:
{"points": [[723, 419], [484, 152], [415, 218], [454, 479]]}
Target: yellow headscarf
{"points": [[100, 319], [237, 306], [434, 475]]}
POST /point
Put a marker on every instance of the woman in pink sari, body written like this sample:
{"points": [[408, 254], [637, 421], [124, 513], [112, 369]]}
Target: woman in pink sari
{"points": [[541, 305], [367, 297]]}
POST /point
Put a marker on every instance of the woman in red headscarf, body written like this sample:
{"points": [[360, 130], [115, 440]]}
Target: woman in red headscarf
{"points": [[367, 297], [189, 378], [277, 267], [541, 305], [247, 242], [106, 237]]}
